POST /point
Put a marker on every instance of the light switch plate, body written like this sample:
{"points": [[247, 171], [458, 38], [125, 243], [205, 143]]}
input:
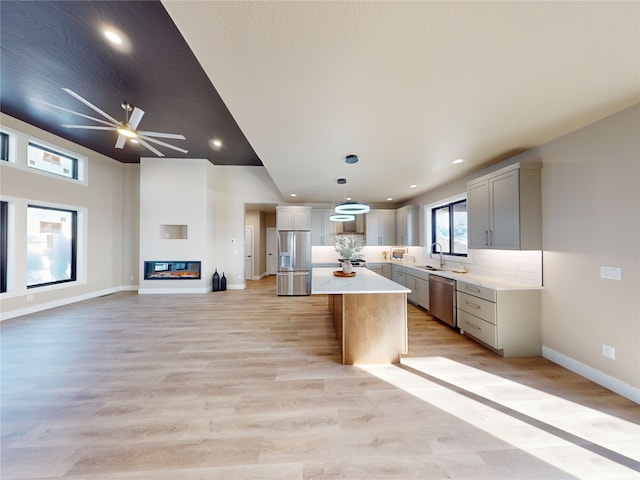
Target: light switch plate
{"points": [[611, 273], [608, 351]]}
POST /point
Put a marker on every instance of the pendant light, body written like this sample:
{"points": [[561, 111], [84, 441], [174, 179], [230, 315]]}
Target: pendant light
{"points": [[351, 207], [341, 217]]}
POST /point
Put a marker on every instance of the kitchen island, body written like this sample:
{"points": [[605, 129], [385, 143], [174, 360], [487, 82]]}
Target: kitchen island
{"points": [[369, 314]]}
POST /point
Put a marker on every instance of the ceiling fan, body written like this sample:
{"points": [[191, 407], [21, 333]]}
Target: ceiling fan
{"points": [[126, 130]]}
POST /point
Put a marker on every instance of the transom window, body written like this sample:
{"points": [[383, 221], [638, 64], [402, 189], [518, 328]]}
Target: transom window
{"points": [[51, 246], [449, 228], [4, 146], [52, 161]]}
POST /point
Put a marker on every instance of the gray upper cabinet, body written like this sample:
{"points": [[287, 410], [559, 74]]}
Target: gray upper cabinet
{"points": [[407, 226], [504, 209], [293, 218], [323, 230], [381, 227]]}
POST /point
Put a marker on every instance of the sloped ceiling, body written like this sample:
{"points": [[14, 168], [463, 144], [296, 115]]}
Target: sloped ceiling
{"points": [[48, 45]]}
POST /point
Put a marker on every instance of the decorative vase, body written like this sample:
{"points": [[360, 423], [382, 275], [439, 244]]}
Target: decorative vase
{"points": [[216, 281], [347, 268]]}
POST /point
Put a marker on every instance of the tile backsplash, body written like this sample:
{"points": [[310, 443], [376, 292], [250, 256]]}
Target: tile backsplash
{"points": [[524, 266]]}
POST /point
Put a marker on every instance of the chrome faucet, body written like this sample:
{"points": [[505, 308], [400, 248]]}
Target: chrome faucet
{"points": [[431, 253]]}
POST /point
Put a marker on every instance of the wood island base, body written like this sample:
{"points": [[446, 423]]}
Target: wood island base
{"points": [[370, 327]]}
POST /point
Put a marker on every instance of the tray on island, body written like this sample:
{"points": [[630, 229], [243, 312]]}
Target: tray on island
{"points": [[340, 273]]}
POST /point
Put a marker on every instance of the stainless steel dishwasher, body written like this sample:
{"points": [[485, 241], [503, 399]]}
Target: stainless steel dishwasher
{"points": [[442, 299]]}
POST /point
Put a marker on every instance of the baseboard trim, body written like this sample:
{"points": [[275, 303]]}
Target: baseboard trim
{"points": [[607, 381], [62, 301], [170, 291]]}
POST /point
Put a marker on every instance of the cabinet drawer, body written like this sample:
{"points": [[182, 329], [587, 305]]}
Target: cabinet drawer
{"points": [[476, 306], [478, 328], [477, 291]]}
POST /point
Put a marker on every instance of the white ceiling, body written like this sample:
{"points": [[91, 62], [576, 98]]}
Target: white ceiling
{"points": [[409, 86]]}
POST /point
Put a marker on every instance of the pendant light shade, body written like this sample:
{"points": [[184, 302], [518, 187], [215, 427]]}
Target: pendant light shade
{"points": [[341, 217], [352, 208]]}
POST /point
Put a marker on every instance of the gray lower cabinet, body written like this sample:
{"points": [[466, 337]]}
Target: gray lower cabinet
{"points": [[383, 269], [399, 274], [418, 282], [505, 320]]}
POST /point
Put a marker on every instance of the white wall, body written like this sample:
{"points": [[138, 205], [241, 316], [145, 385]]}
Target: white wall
{"points": [[591, 205], [176, 192], [102, 211], [236, 186]]}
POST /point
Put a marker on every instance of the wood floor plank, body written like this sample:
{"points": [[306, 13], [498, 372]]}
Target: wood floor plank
{"points": [[245, 384]]}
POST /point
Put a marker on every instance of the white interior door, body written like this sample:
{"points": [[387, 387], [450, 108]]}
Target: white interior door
{"points": [[248, 252], [272, 251]]}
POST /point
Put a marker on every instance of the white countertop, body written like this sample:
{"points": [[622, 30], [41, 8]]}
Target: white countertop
{"points": [[365, 281], [480, 280]]}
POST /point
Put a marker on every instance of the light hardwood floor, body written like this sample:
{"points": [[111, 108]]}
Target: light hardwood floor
{"points": [[248, 385]]}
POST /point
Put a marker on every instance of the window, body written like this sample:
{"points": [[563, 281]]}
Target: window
{"points": [[51, 246], [48, 160], [449, 228], [4, 146], [4, 238]]}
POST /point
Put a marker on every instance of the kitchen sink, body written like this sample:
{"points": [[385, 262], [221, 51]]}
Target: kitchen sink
{"points": [[429, 267]]}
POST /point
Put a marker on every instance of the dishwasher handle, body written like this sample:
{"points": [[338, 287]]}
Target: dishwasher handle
{"points": [[438, 278]]}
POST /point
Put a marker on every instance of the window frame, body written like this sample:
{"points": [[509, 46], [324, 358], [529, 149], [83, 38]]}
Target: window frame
{"points": [[4, 244], [73, 277], [74, 160], [450, 206]]}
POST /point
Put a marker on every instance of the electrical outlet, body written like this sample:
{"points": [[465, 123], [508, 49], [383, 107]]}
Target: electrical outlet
{"points": [[609, 351]]}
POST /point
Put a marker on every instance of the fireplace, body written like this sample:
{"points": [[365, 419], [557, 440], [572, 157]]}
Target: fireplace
{"points": [[172, 270]]}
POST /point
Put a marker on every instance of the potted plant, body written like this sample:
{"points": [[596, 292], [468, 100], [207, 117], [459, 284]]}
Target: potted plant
{"points": [[348, 248]]}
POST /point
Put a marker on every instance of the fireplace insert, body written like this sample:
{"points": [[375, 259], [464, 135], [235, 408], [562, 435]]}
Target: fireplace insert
{"points": [[172, 270]]}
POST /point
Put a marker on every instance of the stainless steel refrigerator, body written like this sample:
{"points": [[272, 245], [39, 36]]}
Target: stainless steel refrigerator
{"points": [[294, 263]]}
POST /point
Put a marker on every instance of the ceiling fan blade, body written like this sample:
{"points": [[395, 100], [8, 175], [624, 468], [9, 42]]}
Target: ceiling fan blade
{"points": [[175, 136], [89, 127], [135, 118], [162, 143], [121, 141], [90, 105], [157, 152], [71, 111]]}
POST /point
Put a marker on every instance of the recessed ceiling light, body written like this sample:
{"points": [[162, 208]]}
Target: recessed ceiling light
{"points": [[216, 144], [457, 161], [413, 186], [117, 39], [348, 198], [113, 37], [389, 199], [292, 195]]}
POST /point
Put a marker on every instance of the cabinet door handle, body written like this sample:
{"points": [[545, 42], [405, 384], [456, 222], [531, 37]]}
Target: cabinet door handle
{"points": [[486, 237], [473, 305], [473, 326], [473, 289], [490, 237]]}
